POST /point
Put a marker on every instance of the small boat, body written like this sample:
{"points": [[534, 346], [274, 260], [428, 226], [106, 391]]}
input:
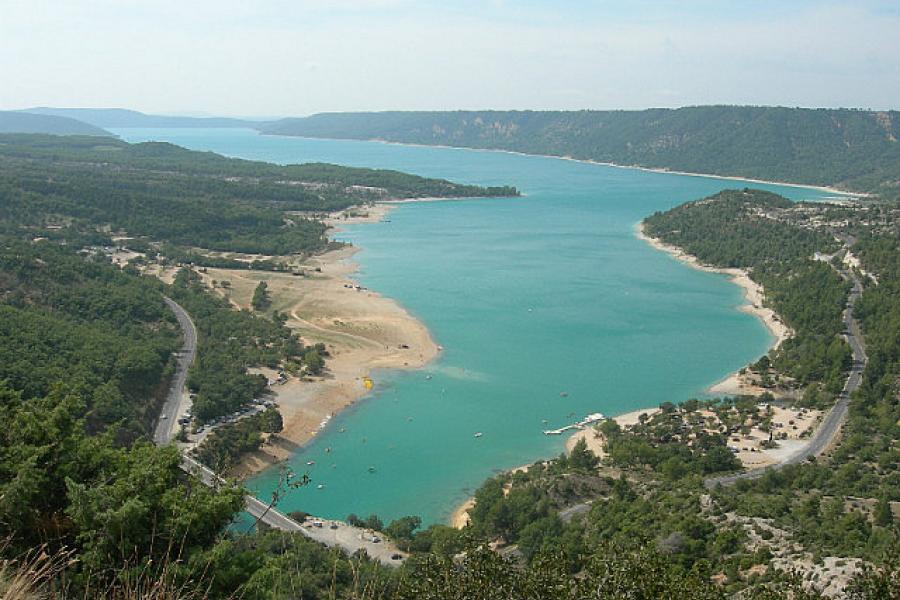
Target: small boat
{"points": [[428, 377], [328, 450], [310, 463], [321, 486], [371, 469], [479, 434], [563, 394]]}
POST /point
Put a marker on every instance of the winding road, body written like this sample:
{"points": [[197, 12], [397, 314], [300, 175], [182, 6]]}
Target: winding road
{"points": [[330, 533], [177, 401], [830, 428]]}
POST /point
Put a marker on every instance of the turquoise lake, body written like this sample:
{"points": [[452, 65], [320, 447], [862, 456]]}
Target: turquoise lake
{"points": [[530, 297]]}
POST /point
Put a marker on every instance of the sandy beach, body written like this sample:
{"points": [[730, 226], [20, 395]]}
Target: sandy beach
{"points": [[753, 294], [362, 331], [460, 516]]}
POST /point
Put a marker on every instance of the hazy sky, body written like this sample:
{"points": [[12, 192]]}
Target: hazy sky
{"points": [[281, 57]]}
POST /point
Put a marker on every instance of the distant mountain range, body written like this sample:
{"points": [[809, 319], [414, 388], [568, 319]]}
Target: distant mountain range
{"points": [[852, 149], [120, 117], [856, 150], [23, 122]]}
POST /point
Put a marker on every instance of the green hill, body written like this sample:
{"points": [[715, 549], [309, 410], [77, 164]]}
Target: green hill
{"points": [[21, 122], [854, 149], [67, 187]]}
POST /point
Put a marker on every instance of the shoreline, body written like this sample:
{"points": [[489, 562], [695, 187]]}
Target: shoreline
{"points": [[732, 384], [362, 330], [459, 517], [588, 161]]}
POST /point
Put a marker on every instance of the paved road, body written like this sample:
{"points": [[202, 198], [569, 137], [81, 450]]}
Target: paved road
{"points": [[830, 427], [331, 533], [177, 400]]}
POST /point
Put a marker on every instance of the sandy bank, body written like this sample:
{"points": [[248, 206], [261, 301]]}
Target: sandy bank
{"points": [[361, 330], [460, 516], [754, 295]]}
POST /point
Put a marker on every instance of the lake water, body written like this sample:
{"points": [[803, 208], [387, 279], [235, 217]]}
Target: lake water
{"points": [[531, 298]]}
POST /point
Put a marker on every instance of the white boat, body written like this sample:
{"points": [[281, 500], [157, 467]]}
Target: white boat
{"points": [[478, 434]]}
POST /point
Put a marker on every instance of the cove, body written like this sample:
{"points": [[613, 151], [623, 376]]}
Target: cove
{"points": [[547, 306]]}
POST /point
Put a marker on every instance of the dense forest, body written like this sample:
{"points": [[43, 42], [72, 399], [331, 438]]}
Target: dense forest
{"points": [[852, 148], [72, 318], [65, 187]]}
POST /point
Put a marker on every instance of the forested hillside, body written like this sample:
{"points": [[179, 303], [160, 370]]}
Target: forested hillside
{"points": [[855, 149], [68, 188], [750, 229], [106, 334]]}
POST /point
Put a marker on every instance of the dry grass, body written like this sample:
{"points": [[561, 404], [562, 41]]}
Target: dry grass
{"points": [[32, 576], [42, 575]]}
